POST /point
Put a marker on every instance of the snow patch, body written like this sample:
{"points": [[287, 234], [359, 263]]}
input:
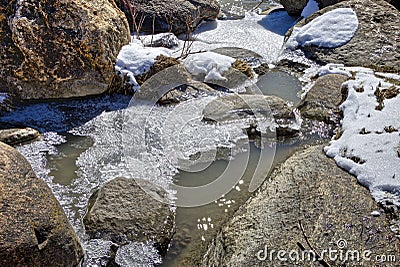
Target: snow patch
{"points": [[370, 137], [211, 64], [135, 59], [332, 29]]}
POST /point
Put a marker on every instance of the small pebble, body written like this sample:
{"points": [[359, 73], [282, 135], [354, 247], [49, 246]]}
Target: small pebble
{"points": [[375, 213]]}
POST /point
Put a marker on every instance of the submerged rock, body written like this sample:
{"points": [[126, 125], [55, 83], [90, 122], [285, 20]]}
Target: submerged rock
{"points": [[18, 136], [34, 230], [233, 107], [248, 56], [59, 49], [375, 43], [308, 204], [192, 89], [121, 211], [177, 16], [322, 102]]}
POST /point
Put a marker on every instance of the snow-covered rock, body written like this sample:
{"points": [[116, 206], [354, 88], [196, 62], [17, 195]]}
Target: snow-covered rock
{"points": [[330, 30], [210, 64], [375, 44], [135, 59], [369, 139]]}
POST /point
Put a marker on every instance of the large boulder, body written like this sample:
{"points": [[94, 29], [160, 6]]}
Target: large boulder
{"points": [[322, 102], [177, 16], [59, 49], [34, 230], [125, 210], [375, 44], [307, 204]]}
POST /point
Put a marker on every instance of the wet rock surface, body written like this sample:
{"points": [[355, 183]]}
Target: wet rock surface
{"points": [[121, 211], [18, 136], [375, 45], [192, 89], [248, 56], [34, 230], [59, 49], [177, 16], [322, 101], [233, 107], [308, 203]]}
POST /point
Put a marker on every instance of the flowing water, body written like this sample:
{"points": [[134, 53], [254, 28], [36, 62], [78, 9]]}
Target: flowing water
{"points": [[91, 141]]}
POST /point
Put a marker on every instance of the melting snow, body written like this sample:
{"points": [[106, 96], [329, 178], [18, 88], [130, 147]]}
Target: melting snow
{"points": [[211, 64], [370, 137], [332, 29], [135, 59]]}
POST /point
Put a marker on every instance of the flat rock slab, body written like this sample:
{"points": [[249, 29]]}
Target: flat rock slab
{"points": [[375, 44], [18, 136], [34, 230], [234, 107], [308, 201], [122, 211]]}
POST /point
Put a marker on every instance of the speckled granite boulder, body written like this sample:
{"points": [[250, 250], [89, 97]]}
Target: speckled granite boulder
{"points": [[308, 203], [59, 49], [34, 230]]}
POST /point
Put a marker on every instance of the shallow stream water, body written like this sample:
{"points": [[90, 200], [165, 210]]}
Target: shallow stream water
{"points": [[91, 141]]}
